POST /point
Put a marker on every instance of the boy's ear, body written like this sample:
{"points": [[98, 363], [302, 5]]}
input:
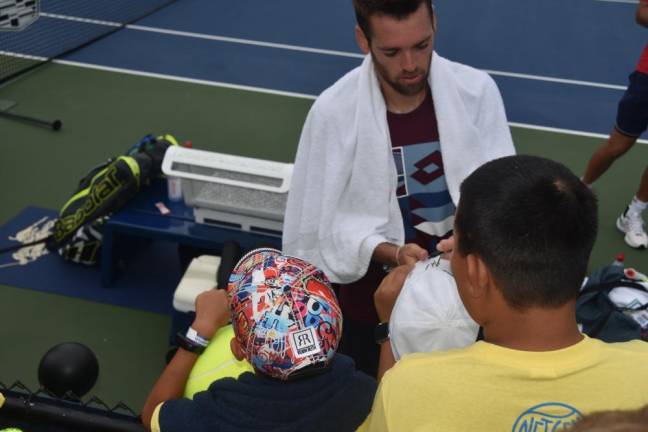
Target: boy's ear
{"points": [[478, 275], [362, 40], [237, 350]]}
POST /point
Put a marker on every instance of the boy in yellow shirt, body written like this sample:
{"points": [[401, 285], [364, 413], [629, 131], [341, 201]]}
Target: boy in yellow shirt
{"points": [[524, 230]]}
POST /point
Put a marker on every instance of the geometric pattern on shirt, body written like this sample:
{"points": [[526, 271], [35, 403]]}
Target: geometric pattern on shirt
{"points": [[422, 175], [423, 196]]}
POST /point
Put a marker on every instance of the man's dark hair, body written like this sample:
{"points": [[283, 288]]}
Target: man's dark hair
{"points": [[399, 9], [533, 223]]}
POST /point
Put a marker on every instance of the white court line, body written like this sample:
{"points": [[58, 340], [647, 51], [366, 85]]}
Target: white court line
{"points": [[183, 79], [555, 80], [83, 20], [273, 92], [564, 131], [246, 41], [23, 56], [208, 36], [292, 94], [343, 53], [356, 55]]}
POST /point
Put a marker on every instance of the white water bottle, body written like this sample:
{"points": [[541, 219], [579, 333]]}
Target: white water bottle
{"points": [[174, 186]]}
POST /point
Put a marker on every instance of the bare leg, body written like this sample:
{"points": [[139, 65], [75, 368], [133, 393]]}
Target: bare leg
{"points": [[642, 193], [616, 145]]}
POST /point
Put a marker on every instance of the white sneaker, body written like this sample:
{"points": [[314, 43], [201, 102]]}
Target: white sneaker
{"points": [[632, 225]]}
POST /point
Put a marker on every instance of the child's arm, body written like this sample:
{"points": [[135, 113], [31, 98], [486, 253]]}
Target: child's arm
{"points": [[212, 313], [171, 383], [384, 300]]}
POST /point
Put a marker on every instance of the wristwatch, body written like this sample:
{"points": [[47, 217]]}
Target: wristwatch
{"points": [[191, 342], [381, 332]]}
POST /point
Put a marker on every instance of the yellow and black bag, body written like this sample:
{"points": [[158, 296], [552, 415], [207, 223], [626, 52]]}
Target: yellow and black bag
{"points": [[104, 190]]}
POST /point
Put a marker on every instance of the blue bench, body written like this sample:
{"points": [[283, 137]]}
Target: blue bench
{"points": [[141, 218]]}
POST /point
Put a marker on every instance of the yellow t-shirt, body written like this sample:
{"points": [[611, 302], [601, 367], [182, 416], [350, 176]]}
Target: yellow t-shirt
{"points": [[486, 387], [155, 418]]}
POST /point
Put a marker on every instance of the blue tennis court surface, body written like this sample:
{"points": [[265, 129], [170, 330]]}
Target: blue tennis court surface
{"points": [[187, 57], [559, 64]]}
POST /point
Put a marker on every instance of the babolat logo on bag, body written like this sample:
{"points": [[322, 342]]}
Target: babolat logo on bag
{"points": [[104, 189], [18, 14], [106, 184]]}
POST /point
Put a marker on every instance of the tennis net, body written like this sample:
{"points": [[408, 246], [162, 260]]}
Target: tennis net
{"points": [[64, 26]]}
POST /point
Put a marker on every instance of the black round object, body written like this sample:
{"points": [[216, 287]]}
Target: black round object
{"points": [[57, 125], [68, 367]]}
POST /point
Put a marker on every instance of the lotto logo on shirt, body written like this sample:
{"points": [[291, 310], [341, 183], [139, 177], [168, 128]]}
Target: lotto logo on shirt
{"points": [[547, 417], [305, 343]]}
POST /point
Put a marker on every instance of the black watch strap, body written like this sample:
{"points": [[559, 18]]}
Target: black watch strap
{"points": [[188, 345], [381, 332]]}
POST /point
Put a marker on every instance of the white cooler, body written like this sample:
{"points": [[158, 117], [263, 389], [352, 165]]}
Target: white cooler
{"points": [[234, 191]]}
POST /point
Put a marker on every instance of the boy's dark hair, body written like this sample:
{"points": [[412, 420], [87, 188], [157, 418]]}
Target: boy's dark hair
{"points": [[533, 223], [398, 9]]}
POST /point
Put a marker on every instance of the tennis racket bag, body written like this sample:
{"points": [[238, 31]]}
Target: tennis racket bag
{"points": [[102, 191]]}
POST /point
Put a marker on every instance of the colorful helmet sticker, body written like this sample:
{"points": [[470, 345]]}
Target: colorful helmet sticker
{"points": [[285, 313]]}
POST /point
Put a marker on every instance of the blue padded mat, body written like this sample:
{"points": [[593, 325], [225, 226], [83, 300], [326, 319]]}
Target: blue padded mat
{"points": [[142, 285]]}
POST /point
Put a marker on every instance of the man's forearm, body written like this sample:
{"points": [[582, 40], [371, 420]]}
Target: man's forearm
{"points": [[386, 360], [385, 253]]}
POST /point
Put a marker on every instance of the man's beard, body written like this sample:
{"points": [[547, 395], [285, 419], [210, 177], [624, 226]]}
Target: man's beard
{"points": [[403, 89]]}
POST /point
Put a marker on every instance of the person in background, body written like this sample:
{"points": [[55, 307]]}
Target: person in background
{"points": [[632, 121]]}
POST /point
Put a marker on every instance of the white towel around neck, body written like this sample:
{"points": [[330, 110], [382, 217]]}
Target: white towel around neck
{"points": [[342, 201]]}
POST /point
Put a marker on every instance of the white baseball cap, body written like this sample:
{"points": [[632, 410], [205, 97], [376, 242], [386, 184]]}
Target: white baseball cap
{"points": [[429, 314]]}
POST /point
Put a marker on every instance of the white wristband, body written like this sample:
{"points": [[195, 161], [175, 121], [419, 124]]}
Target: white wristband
{"points": [[193, 336]]}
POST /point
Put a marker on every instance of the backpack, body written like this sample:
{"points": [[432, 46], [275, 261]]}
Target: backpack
{"points": [[600, 317]]}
